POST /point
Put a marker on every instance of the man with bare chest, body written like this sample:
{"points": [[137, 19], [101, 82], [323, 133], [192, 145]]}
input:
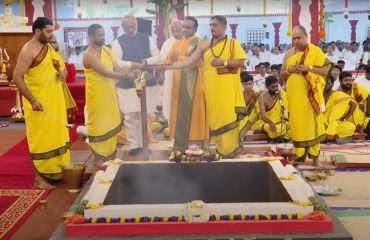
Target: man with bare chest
{"points": [[272, 107]]}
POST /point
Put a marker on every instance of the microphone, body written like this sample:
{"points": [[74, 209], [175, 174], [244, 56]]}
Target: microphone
{"points": [[278, 94]]}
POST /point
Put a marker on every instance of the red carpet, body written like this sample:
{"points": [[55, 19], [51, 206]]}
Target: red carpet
{"points": [[77, 89], [16, 171], [15, 207]]}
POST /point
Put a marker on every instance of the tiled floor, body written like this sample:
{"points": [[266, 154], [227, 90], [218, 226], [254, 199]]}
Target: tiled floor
{"points": [[43, 222]]}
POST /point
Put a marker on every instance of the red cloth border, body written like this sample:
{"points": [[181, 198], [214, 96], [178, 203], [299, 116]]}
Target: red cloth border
{"points": [[183, 228], [25, 201]]}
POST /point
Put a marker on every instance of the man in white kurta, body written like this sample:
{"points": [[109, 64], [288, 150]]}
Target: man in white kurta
{"points": [[134, 49], [364, 80], [276, 57], [353, 56], [176, 30]]}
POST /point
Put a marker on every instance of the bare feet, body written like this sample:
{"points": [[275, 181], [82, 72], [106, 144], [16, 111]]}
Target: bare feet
{"points": [[41, 183]]}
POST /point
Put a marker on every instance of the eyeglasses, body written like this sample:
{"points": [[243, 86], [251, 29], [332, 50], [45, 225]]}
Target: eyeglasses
{"points": [[54, 42]]}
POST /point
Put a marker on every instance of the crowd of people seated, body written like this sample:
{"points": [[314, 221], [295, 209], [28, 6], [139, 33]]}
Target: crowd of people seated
{"points": [[352, 55], [346, 97]]}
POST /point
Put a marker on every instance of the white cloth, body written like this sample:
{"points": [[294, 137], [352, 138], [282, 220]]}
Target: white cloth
{"points": [[168, 79], [249, 53], [253, 62], [336, 84], [353, 59], [276, 59], [363, 82], [333, 58], [76, 60], [133, 130], [264, 56], [259, 82], [129, 102], [340, 54], [82, 130], [348, 66]]}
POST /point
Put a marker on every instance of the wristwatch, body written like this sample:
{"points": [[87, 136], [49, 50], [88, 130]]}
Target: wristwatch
{"points": [[225, 63]]}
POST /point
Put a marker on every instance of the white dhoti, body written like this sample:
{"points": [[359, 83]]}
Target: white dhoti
{"points": [[167, 94], [129, 104]]}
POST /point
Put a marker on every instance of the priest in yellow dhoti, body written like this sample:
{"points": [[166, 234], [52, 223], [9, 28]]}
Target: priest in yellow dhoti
{"points": [[188, 122], [339, 109], [226, 111], [104, 121], [272, 111], [305, 67], [36, 76], [251, 101], [360, 95], [62, 74]]}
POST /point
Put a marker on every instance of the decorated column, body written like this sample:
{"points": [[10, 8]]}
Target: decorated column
{"points": [[38, 8], [353, 29], [306, 13], [166, 12], [277, 26], [233, 27]]}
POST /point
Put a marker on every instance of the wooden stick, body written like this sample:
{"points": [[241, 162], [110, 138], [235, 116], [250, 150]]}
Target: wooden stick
{"points": [[144, 116]]}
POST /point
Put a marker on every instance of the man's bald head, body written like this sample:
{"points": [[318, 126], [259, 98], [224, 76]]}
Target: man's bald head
{"points": [[129, 25], [176, 29], [299, 37], [301, 29]]}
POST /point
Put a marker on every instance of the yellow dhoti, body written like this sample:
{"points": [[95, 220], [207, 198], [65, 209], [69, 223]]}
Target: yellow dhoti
{"points": [[226, 108], [336, 107], [278, 117], [360, 94], [306, 103], [104, 122], [47, 133]]}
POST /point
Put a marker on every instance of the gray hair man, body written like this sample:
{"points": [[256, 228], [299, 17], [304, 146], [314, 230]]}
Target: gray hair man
{"points": [[135, 49]]}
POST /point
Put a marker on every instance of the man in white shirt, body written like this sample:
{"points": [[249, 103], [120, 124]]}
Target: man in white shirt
{"points": [[353, 56], [265, 54], [364, 80], [276, 57], [254, 60], [247, 49], [259, 79], [134, 49], [330, 54], [176, 30], [340, 50]]}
